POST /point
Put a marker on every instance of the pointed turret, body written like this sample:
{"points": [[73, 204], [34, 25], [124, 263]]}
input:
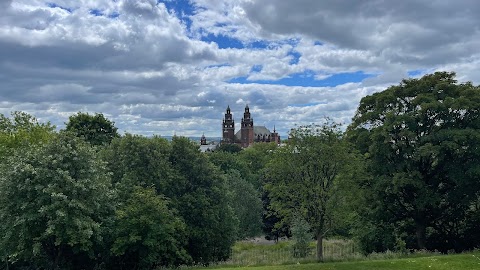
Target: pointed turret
{"points": [[228, 127], [247, 134]]}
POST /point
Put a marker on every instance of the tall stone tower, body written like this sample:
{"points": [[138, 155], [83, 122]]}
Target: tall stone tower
{"points": [[228, 128], [247, 133]]}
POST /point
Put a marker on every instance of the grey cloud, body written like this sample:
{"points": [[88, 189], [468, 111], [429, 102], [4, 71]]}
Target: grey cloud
{"points": [[4, 4], [38, 19], [408, 27], [67, 55], [146, 72], [167, 112], [140, 7]]}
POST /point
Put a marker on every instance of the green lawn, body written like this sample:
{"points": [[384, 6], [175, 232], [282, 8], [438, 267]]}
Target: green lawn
{"points": [[465, 261]]}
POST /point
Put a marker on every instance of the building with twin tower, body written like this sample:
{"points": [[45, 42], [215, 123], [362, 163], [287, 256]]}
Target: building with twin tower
{"points": [[248, 133]]}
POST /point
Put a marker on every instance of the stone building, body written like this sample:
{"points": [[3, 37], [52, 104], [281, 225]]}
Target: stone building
{"points": [[248, 133]]}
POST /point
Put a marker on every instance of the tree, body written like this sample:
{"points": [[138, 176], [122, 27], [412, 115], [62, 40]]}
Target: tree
{"points": [[147, 233], [54, 200], [302, 177], [246, 204], [272, 225], [421, 139], [136, 160], [301, 238], [95, 129], [195, 188], [22, 130], [255, 159], [200, 196], [227, 161], [229, 148]]}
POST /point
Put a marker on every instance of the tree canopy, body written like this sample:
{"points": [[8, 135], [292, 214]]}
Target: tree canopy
{"points": [[95, 129], [22, 130], [54, 199], [147, 233], [421, 138], [301, 178]]}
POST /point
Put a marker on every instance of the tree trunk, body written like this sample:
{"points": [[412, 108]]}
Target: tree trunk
{"points": [[319, 247], [57, 258], [421, 234]]}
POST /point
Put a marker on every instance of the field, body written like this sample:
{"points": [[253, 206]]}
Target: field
{"points": [[467, 261], [251, 253], [340, 255]]}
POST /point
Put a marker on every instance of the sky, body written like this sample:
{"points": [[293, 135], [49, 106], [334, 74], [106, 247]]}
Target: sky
{"points": [[172, 67]]}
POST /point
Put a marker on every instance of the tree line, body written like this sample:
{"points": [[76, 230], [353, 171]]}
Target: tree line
{"points": [[403, 175]]}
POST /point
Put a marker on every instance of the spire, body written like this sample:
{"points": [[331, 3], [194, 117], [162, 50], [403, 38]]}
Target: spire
{"points": [[274, 131], [228, 109]]}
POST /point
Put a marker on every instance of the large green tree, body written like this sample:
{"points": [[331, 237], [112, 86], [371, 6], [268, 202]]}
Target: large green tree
{"points": [[136, 160], [247, 205], [255, 159], [195, 188], [200, 196], [22, 130], [302, 177], [147, 233], [54, 200], [421, 138], [95, 129]]}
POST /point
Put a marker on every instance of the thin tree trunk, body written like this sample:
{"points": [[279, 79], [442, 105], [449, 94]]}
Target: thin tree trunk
{"points": [[319, 247], [421, 234], [59, 255]]}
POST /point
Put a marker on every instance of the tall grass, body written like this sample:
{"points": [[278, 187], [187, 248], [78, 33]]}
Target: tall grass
{"points": [[248, 253]]}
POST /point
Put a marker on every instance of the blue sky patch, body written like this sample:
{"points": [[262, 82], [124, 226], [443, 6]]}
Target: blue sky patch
{"points": [[53, 5], [113, 15], [415, 73], [98, 12], [259, 44], [307, 78], [218, 66], [295, 57], [256, 68], [182, 8], [224, 42]]}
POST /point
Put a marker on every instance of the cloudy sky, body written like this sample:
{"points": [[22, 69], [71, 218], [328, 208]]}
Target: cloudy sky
{"points": [[165, 67]]}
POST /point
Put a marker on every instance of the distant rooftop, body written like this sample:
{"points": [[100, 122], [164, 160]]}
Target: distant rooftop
{"points": [[257, 130]]}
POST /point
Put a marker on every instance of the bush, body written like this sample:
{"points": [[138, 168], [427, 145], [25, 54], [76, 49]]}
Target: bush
{"points": [[301, 237]]}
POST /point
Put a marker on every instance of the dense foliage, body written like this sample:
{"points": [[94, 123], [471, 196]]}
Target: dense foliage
{"points": [[302, 177], [422, 140], [95, 129], [404, 175], [147, 233], [21, 130], [54, 199]]}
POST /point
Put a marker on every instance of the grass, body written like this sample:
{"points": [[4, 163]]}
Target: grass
{"points": [[466, 261], [249, 254]]}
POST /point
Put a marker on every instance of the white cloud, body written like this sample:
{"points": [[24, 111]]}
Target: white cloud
{"points": [[149, 71]]}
